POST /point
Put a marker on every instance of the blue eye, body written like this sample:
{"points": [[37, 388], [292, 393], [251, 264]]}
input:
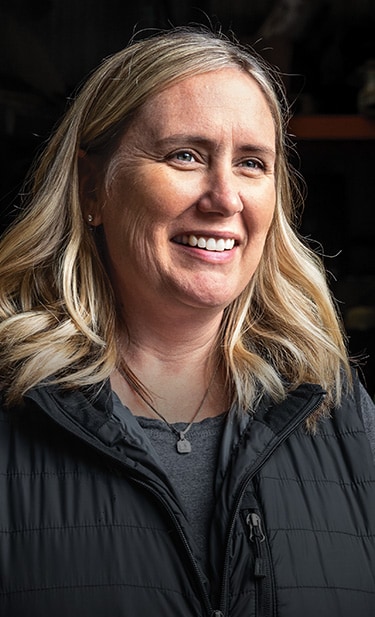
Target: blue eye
{"points": [[253, 164], [183, 155]]}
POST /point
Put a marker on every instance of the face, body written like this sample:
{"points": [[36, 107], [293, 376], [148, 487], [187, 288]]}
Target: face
{"points": [[191, 194]]}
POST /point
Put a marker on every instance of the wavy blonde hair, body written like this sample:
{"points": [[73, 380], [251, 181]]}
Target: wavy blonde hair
{"points": [[57, 308]]}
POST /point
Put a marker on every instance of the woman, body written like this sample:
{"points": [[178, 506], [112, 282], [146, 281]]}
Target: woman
{"points": [[182, 433]]}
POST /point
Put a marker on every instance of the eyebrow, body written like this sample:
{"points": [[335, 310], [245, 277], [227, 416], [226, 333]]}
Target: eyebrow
{"points": [[175, 140]]}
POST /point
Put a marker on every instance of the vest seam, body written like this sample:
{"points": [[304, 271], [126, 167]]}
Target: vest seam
{"points": [[85, 526], [354, 483], [93, 586], [336, 435], [53, 474], [326, 588], [364, 536]]}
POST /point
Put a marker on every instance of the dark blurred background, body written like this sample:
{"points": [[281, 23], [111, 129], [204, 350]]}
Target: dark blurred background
{"points": [[326, 52]]}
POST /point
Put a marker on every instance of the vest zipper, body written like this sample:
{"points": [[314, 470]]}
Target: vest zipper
{"points": [[264, 587], [259, 533], [256, 536], [223, 598]]}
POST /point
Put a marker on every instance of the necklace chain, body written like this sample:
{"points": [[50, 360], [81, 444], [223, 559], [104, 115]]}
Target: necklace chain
{"points": [[183, 445]]}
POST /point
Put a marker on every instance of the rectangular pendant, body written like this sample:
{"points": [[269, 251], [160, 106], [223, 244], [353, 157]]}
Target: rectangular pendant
{"points": [[183, 446]]}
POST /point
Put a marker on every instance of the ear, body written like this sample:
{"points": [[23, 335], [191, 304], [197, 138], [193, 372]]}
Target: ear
{"points": [[89, 188]]}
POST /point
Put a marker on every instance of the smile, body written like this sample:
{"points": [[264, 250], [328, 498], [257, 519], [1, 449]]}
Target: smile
{"points": [[208, 244]]}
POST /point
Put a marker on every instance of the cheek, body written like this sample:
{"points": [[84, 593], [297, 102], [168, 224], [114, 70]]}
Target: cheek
{"points": [[134, 229], [165, 193], [260, 213], [124, 229], [270, 217]]}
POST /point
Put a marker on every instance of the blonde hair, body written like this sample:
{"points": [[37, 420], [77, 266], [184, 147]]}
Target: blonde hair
{"points": [[57, 308]]}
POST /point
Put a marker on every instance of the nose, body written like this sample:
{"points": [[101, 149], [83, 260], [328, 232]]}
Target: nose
{"points": [[223, 195]]}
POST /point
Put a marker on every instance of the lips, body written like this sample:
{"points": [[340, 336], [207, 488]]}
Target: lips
{"points": [[205, 242]]}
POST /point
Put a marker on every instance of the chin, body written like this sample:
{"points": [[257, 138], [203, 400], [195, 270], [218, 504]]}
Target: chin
{"points": [[205, 293], [216, 302]]}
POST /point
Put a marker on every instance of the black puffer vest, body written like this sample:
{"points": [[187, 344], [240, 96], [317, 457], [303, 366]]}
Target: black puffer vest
{"points": [[91, 527]]}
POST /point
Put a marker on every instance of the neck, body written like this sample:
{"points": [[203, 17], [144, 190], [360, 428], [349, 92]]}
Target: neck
{"points": [[175, 360], [171, 322]]}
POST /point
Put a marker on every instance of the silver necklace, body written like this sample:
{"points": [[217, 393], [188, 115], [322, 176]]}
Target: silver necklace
{"points": [[183, 445]]}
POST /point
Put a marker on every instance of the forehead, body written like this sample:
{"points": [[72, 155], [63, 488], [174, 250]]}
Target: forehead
{"points": [[221, 98]]}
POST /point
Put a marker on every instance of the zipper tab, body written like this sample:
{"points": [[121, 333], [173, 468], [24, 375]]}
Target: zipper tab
{"points": [[217, 614], [257, 536], [255, 524]]}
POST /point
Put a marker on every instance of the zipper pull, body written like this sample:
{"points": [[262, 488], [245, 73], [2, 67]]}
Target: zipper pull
{"points": [[257, 536], [255, 524], [217, 614]]}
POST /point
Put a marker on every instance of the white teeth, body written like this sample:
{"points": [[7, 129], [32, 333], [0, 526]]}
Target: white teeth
{"points": [[210, 244]]}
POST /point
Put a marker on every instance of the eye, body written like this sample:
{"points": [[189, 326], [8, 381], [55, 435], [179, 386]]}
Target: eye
{"points": [[253, 164], [184, 159], [184, 155]]}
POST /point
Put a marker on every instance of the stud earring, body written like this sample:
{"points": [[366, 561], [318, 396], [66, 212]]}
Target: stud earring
{"points": [[90, 218]]}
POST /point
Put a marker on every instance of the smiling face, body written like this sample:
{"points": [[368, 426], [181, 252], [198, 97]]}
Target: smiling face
{"points": [[191, 194]]}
